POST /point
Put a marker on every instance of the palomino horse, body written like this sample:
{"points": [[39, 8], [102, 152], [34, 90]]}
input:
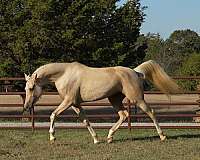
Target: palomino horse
{"points": [[77, 83]]}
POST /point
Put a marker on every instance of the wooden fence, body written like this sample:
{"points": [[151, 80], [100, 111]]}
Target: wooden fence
{"points": [[130, 122]]}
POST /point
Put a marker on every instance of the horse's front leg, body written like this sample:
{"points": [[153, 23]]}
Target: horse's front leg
{"points": [[66, 103], [52, 128]]}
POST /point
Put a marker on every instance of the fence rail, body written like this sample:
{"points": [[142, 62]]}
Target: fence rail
{"points": [[130, 123]]}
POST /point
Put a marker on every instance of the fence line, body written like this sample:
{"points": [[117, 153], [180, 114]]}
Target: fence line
{"points": [[130, 125]]}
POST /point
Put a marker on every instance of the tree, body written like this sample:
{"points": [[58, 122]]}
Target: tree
{"points": [[97, 33], [172, 52], [191, 67], [155, 48], [187, 41], [181, 44]]}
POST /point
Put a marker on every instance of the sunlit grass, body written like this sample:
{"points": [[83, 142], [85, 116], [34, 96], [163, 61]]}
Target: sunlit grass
{"points": [[77, 145]]}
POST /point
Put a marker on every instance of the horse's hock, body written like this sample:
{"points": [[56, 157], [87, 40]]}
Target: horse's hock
{"points": [[197, 119]]}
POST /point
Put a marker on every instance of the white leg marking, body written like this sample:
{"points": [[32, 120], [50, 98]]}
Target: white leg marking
{"points": [[64, 105], [86, 122], [123, 116], [51, 129], [150, 112]]}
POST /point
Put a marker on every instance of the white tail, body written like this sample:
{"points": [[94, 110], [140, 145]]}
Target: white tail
{"points": [[153, 72]]}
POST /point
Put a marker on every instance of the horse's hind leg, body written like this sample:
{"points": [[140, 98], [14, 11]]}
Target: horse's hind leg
{"points": [[150, 113], [116, 101], [82, 116]]}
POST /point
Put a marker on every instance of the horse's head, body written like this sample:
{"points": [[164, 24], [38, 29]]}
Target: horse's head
{"points": [[33, 91]]}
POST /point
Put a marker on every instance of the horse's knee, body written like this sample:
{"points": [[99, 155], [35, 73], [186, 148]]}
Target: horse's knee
{"points": [[86, 122], [126, 113], [122, 115], [124, 118], [52, 117]]}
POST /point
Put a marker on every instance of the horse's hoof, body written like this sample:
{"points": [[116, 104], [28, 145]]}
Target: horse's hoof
{"points": [[109, 140], [96, 142], [163, 138], [52, 140]]}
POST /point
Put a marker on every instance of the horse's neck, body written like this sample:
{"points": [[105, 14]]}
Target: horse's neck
{"points": [[50, 72]]}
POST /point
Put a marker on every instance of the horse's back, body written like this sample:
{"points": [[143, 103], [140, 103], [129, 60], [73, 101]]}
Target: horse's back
{"points": [[98, 83]]}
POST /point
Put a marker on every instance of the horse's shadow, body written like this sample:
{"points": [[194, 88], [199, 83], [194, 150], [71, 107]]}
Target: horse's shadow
{"points": [[153, 138]]}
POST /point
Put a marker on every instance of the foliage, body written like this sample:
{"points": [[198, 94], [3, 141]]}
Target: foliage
{"points": [[97, 33], [191, 67], [176, 54], [155, 48], [181, 44], [172, 52], [187, 41]]}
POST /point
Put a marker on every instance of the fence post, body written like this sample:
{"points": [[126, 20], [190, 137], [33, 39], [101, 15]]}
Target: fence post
{"points": [[32, 119], [197, 119], [129, 114]]}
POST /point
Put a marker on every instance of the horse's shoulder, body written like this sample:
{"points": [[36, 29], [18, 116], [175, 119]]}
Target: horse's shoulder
{"points": [[78, 64]]}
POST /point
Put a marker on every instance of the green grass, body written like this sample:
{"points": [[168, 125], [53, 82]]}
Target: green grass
{"points": [[77, 145]]}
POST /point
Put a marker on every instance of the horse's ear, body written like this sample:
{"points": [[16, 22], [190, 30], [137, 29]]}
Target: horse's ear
{"points": [[26, 76]]}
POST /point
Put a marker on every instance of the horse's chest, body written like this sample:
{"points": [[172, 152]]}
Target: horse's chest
{"points": [[67, 87]]}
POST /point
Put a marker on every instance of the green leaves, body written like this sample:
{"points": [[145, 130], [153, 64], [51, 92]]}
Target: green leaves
{"points": [[174, 51], [190, 67], [96, 33]]}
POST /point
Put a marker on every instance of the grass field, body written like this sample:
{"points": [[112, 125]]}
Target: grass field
{"points": [[77, 145]]}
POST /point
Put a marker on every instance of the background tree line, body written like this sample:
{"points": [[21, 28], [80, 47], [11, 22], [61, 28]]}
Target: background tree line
{"points": [[178, 55], [94, 32]]}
